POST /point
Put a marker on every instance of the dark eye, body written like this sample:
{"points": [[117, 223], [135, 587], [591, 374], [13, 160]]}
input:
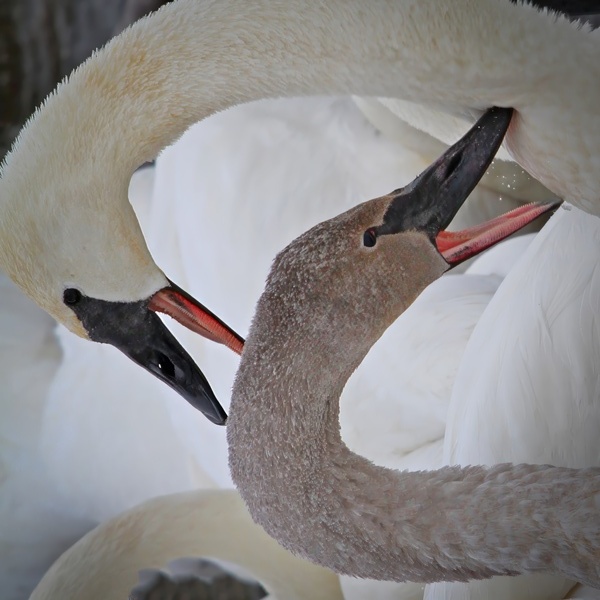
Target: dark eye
{"points": [[71, 296], [369, 238]]}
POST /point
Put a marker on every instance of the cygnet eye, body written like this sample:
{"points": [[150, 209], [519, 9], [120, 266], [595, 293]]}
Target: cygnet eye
{"points": [[369, 238], [71, 296]]}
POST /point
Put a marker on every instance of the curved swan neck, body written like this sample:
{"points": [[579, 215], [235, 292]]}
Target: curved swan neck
{"points": [[323, 502], [193, 58]]}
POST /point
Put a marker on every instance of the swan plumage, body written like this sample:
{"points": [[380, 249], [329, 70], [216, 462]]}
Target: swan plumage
{"points": [[104, 564], [552, 323]]}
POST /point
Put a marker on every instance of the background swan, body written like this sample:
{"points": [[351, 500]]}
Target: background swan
{"points": [[104, 565]]}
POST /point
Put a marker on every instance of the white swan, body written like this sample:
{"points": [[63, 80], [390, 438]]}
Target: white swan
{"points": [[57, 199], [105, 564]]}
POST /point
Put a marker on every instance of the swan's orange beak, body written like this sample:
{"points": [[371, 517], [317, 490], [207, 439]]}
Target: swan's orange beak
{"points": [[185, 309], [458, 246], [163, 356]]}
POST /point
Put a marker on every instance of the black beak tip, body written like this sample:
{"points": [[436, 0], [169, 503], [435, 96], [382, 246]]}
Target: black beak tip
{"points": [[207, 403], [156, 350], [138, 332], [431, 201], [180, 373]]}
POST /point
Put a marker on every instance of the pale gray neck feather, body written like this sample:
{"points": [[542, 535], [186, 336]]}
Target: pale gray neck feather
{"points": [[325, 503]]}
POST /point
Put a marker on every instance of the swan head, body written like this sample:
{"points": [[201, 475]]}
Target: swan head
{"points": [[71, 241], [375, 259]]}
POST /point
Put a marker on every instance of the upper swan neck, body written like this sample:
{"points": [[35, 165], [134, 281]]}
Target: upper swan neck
{"points": [[193, 58]]}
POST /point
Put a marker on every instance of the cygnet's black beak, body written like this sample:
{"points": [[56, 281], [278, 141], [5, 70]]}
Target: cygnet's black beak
{"points": [[135, 329], [431, 201]]}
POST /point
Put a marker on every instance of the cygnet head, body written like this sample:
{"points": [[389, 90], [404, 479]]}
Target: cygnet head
{"points": [[355, 274], [70, 240]]}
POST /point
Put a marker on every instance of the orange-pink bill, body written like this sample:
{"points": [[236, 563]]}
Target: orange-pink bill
{"points": [[182, 307], [458, 246]]}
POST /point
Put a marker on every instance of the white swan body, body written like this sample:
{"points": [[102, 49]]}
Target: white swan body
{"points": [[104, 565], [550, 338], [534, 394], [35, 524]]}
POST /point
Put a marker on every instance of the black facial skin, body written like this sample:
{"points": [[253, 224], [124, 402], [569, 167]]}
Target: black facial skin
{"points": [[140, 334]]}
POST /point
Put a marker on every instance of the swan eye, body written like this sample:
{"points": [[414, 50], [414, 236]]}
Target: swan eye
{"points": [[71, 296], [369, 238]]}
